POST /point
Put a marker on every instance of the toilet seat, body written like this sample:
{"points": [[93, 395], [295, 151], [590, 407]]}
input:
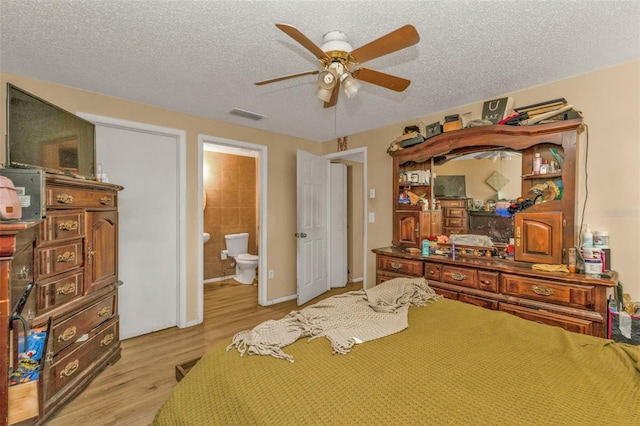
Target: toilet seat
{"points": [[247, 257]]}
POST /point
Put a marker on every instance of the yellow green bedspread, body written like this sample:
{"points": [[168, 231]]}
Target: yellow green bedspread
{"points": [[456, 364]]}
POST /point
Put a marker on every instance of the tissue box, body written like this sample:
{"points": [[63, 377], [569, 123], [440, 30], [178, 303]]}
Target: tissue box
{"points": [[614, 332]]}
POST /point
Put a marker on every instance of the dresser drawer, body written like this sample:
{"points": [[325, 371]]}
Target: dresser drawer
{"points": [[62, 225], [55, 292], [62, 197], [403, 266], [455, 212], [488, 281], [59, 258], [460, 276], [575, 325], [455, 223], [453, 203], [71, 366], [432, 271], [553, 292], [68, 331], [479, 301]]}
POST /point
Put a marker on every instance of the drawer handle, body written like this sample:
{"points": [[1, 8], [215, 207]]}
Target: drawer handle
{"points": [[458, 276], [68, 334], [106, 340], [105, 200], [432, 272], [396, 265], [67, 256], [518, 236], [67, 289], [104, 311], [542, 290], [69, 225], [486, 282], [71, 368], [64, 198]]}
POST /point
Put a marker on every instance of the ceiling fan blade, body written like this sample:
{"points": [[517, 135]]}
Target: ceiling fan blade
{"points": [[295, 34], [381, 79], [334, 97], [286, 77], [395, 40]]}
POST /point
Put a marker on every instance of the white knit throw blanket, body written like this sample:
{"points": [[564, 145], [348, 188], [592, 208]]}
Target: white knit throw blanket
{"points": [[345, 319]]}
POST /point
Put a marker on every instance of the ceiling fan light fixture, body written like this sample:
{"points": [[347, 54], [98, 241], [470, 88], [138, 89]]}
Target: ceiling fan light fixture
{"points": [[350, 85], [336, 41], [324, 94]]}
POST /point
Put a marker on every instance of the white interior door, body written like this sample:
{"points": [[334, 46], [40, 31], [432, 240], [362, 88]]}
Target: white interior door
{"points": [[311, 234], [146, 164], [338, 269]]}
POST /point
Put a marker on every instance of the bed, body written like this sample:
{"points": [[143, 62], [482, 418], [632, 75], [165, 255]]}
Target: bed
{"points": [[454, 364]]}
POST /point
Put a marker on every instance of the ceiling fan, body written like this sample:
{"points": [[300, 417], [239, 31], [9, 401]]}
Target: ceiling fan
{"points": [[341, 63]]}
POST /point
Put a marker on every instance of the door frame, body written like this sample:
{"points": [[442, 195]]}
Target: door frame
{"points": [[358, 155], [262, 215], [180, 136]]}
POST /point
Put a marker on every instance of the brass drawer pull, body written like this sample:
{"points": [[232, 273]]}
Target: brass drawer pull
{"points": [[66, 289], [67, 256], [458, 276], [396, 265], [106, 340], [105, 200], [542, 290], [70, 369], [64, 198], [68, 225], [68, 334], [104, 311], [485, 282]]}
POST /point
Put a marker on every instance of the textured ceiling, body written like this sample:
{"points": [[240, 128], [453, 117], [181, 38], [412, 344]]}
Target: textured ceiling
{"points": [[202, 57]]}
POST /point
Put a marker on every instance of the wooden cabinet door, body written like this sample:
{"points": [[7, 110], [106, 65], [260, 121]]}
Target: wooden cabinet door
{"points": [[101, 264], [407, 228], [538, 237]]}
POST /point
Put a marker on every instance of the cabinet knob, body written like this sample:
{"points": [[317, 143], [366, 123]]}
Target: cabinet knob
{"points": [[69, 225], [105, 200], [542, 290], [66, 289], [70, 368], [67, 256], [68, 334], [396, 265], [64, 198]]}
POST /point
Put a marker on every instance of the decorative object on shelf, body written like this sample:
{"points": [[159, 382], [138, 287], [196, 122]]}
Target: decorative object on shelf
{"points": [[432, 130], [452, 122], [496, 110], [342, 143]]}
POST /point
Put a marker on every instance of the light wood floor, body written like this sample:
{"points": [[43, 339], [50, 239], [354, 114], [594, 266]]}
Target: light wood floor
{"points": [[131, 391]]}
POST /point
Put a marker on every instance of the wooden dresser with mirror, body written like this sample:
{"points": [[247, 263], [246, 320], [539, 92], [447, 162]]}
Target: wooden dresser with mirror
{"points": [[543, 232], [73, 264]]}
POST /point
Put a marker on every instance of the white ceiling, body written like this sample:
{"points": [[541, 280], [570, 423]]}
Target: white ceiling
{"points": [[202, 57]]}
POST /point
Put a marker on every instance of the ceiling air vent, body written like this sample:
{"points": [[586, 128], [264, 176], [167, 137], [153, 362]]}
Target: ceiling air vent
{"points": [[247, 114]]}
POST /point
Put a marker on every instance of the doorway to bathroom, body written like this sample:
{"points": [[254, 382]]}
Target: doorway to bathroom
{"points": [[232, 179]]}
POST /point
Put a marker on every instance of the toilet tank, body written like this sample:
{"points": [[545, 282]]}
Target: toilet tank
{"points": [[237, 244]]}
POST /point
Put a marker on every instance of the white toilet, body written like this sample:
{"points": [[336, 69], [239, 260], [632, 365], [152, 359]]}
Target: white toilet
{"points": [[246, 264]]}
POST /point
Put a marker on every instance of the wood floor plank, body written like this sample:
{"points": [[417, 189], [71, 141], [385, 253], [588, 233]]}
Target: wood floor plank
{"points": [[132, 390]]}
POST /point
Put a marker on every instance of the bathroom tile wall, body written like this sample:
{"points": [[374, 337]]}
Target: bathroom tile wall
{"points": [[230, 186]]}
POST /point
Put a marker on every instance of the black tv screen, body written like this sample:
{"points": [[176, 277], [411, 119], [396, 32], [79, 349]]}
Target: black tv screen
{"points": [[42, 135], [450, 186]]}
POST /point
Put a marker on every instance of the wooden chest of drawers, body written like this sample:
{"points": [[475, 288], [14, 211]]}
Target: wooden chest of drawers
{"points": [[571, 301], [455, 219], [75, 270]]}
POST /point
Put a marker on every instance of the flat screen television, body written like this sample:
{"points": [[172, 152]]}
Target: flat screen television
{"points": [[450, 186], [42, 135]]}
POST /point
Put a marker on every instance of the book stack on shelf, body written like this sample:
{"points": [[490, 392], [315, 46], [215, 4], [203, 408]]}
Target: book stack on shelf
{"points": [[542, 112]]}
